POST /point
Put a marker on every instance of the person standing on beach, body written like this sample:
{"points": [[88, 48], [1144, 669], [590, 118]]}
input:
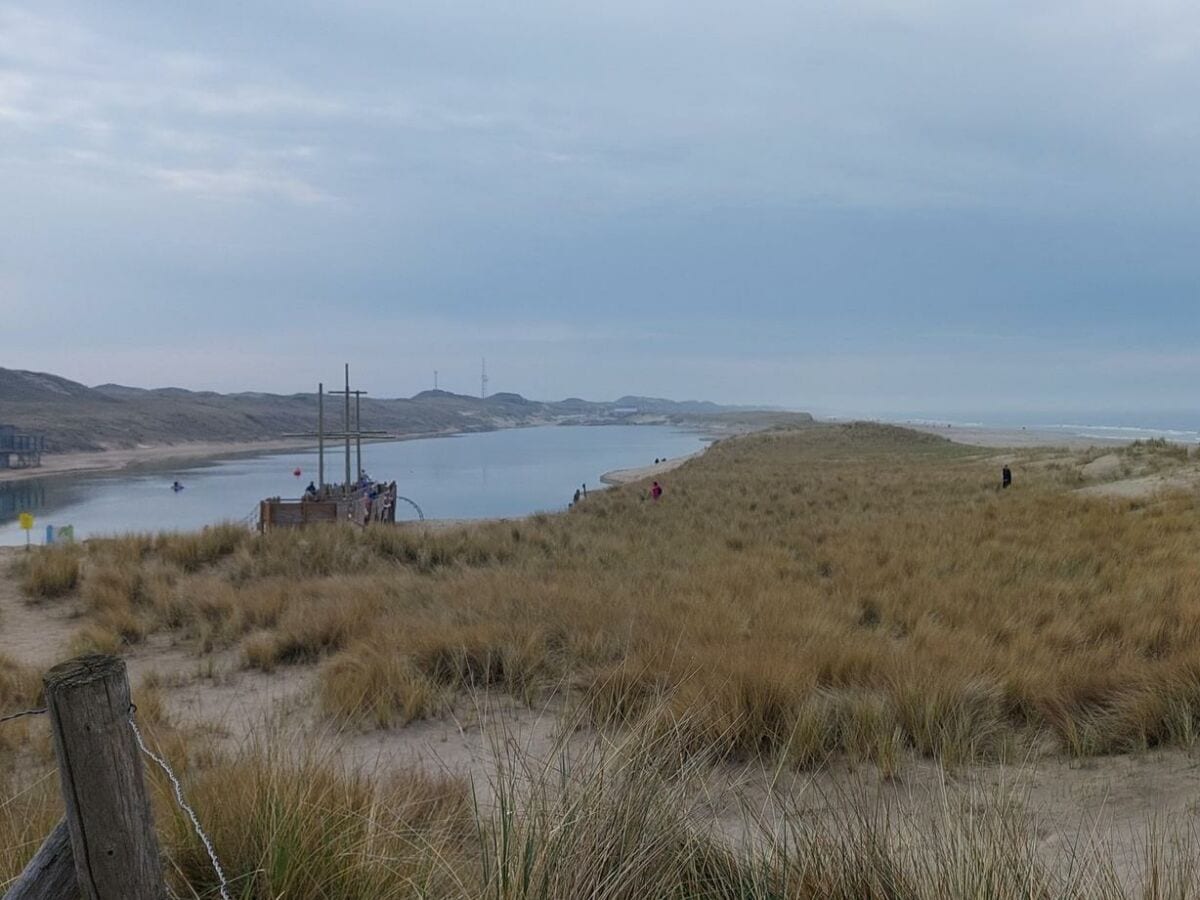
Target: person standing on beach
{"points": [[1005, 476], [585, 490], [577, 495], [656, 491]]}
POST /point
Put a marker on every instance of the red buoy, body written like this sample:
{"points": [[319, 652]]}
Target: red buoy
{"points": [[296, 471]]}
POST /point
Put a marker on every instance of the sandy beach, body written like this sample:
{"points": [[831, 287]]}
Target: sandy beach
{"points": [[628, 476], [982, 436]]}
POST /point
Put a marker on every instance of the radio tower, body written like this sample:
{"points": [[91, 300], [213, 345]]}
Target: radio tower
{"points": [[483, 380]]}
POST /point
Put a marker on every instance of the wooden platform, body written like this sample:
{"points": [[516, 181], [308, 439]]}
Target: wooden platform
{"points": [[375, 503]]}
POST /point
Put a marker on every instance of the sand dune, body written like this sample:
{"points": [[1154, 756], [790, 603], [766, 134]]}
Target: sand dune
{"points": [[1146, 485]]}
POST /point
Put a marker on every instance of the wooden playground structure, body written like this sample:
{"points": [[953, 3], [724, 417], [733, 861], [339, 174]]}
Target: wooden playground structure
{"points": [[370, 502], [360, 500]]}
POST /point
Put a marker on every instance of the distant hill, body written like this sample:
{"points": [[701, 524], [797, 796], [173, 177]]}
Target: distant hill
{"points": [[38, 387], [75, 417], [669, 407]]}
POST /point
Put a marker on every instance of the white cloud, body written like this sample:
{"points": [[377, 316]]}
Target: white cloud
{"points": [[259, 100], [239, 183]]}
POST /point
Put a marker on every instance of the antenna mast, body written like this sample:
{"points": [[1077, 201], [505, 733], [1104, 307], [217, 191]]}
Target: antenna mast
{"points": [[483, 381], [345, 434]]}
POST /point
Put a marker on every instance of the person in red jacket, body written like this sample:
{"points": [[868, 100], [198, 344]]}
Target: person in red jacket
{"points": [[656, 490]]}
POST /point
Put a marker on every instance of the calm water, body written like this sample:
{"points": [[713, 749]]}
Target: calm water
{"points": [[499, 473]]}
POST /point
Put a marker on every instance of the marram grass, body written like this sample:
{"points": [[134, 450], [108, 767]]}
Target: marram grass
{"points": [[833, 589]]}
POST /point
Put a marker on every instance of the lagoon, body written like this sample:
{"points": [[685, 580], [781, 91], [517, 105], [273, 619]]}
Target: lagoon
{"points": [[513, 472]]}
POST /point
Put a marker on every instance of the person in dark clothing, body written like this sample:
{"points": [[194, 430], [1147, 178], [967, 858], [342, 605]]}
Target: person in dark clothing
{"points": [[585, 490], [310, 492], [577, 495], [1005, 476]]}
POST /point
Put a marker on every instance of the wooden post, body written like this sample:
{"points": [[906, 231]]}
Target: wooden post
{"points": [[358, 433], [321, 437], [50, 875], [108, 812], [346, 487]]}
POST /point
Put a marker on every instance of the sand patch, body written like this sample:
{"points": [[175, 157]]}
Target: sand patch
{"points": [[38, 633], [214, 692], [1109, 802], [1106, 466], [1145, 485], [640, 473]]}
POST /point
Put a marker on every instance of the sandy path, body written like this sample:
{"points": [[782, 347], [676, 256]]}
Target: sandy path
{"points": [[217, 695], [36, 634], [628, 476], [213, 691]]}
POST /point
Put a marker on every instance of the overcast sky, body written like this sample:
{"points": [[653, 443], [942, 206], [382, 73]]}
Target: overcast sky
{"points": [[863, 206]]}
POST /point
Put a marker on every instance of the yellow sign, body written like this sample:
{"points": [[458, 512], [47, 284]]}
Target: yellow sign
{"points": [[26, 520]]}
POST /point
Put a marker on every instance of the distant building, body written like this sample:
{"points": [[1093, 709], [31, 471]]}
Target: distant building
{"points": [[18, 450], [625, 411]]}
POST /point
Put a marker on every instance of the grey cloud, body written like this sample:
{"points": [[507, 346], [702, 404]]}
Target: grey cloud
{"points": [[751, 180]]}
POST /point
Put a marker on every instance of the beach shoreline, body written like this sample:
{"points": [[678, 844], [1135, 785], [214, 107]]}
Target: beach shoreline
{"points": [[1016, 438], [618, 477], [98, 461], [189, 452]]}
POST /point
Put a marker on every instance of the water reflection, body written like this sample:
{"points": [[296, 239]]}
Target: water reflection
{"points": [[35, 495], [19, 497]]}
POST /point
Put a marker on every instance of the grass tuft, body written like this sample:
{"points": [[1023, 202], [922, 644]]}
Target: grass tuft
{"points": [[52, 571]]}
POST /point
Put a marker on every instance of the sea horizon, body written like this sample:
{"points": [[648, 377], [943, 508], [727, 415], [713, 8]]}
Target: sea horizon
{"points": [[1182, 427]]}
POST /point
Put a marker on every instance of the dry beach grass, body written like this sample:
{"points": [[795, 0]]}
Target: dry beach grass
{"points": [[625, 821], [852, 589], [851, 592]]}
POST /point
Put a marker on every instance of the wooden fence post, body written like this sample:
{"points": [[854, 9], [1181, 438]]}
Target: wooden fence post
{"points": [[50, 875], [108, 812]]}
